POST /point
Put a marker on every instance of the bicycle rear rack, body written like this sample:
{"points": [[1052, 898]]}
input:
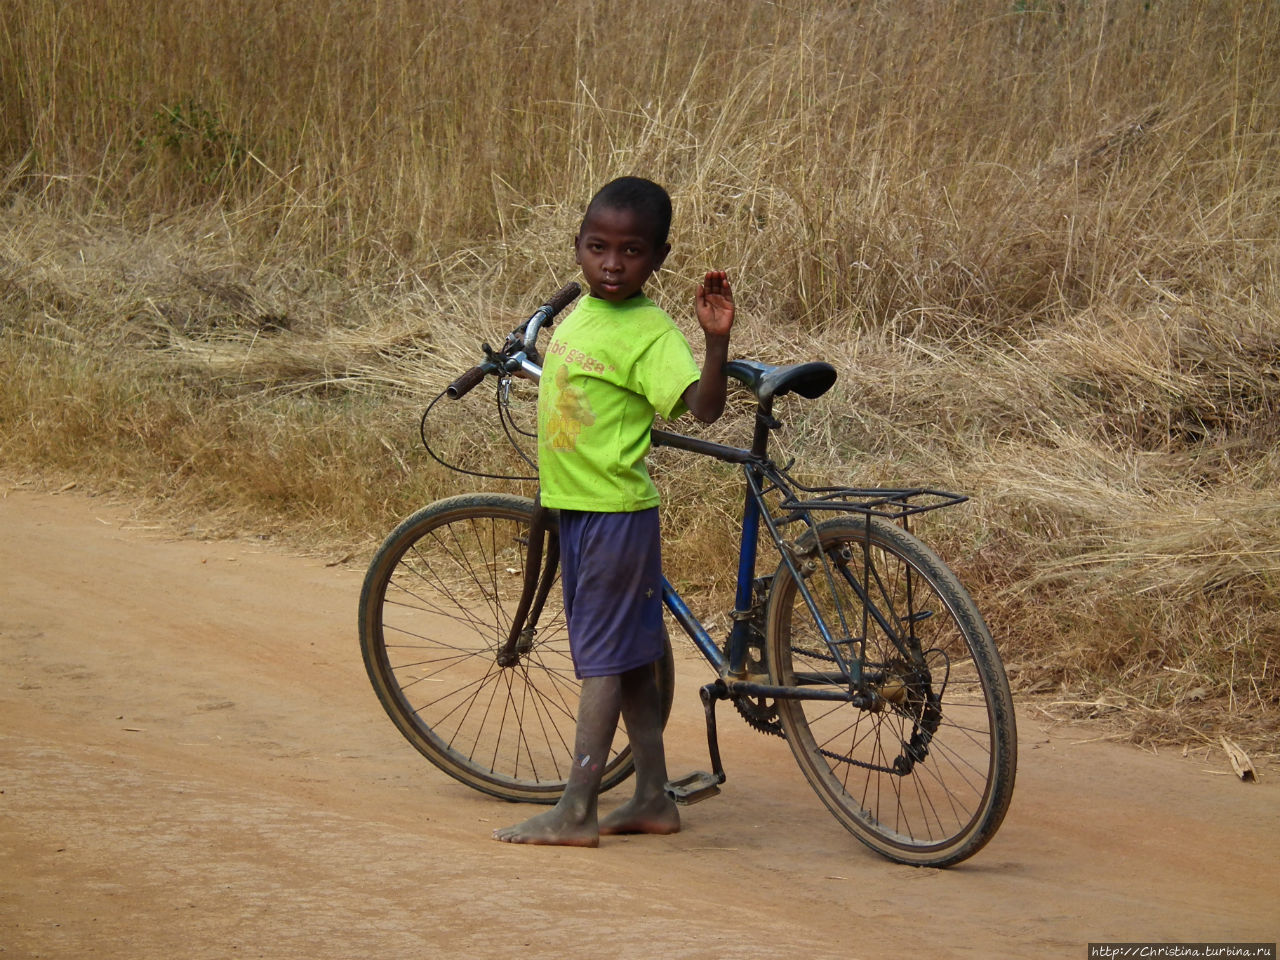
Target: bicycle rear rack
{"points": [[887, 502]]}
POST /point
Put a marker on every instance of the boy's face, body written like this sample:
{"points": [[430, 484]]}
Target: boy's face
{"points": [[617, 252]]}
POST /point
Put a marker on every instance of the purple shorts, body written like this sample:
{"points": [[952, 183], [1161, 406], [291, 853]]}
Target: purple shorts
{"points": [[611, 570]]}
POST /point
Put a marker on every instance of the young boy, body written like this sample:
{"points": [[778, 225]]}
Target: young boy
{"points": [[615, 361]]}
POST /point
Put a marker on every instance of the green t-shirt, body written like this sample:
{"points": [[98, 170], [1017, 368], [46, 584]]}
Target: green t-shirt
{"points": [[607, 370]]}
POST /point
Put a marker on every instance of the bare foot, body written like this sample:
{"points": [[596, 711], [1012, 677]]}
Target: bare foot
{"points": [[553, 828], [660, 816]]}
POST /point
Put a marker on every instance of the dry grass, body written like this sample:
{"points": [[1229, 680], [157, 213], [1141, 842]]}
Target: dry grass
{"points": [[1038, 239]]}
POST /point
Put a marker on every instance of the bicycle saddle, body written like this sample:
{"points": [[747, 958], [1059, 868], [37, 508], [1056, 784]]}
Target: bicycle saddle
{"points": [[810, 380]]}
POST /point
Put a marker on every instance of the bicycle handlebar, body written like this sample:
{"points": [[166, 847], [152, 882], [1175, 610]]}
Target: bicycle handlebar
{"points": [[562, 298], [462, 386], [520, 344]]}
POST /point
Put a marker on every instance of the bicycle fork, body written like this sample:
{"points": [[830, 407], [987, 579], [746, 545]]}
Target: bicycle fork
{"points": [[538, 577]]}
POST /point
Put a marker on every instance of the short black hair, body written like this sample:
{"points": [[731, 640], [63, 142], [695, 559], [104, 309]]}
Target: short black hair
{"points": [[636, 193]]}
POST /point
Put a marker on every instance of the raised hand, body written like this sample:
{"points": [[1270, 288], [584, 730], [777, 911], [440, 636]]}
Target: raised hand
{"points": [[714, 304]]}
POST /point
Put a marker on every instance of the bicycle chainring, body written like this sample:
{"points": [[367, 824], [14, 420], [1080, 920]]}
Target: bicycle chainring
{"points": [[760, 713]]}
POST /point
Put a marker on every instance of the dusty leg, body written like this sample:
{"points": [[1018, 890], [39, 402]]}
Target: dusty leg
{"points": [[572, 822], [649, 810]]}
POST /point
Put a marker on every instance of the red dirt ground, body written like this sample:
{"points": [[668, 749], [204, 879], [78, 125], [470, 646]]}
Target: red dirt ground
{"points": [[193, 765]]}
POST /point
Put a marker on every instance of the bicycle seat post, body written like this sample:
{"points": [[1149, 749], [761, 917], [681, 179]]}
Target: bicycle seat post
{"points": [[764, 423]]}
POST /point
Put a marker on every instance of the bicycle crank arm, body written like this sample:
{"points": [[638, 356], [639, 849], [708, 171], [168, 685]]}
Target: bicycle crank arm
{"points": [[701, 785]]}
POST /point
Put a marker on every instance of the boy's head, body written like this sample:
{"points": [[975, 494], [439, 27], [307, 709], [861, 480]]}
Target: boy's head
{"points": [[623, 237], [646, 198]]}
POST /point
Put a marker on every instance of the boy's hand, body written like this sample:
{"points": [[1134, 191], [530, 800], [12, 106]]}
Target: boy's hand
{"points": [[714, 304]]}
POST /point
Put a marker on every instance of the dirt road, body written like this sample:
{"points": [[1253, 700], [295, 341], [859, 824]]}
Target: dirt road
{"points": [[193, 765]]}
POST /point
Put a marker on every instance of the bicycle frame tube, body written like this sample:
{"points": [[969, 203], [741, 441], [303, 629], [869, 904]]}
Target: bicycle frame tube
{"points": [[746, 560], [692, 625], [755, 469], [747, 552], [743, 601]]}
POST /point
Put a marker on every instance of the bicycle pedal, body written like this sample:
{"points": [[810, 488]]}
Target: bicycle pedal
{"points": [[694, 787]]}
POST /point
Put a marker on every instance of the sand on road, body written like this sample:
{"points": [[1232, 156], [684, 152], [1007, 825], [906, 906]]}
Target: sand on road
{"points": [[194, 765]]}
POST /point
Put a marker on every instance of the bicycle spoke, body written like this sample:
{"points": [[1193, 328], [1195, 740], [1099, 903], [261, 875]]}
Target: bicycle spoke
{"points": [[913, 773], [436, 616]]}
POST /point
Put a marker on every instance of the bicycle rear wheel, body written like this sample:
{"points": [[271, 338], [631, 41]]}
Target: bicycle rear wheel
{"points": [[923, 776], [436, 611]]}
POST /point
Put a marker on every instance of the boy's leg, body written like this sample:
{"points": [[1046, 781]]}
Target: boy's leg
{"points": [[649, 810], [572, 821]]}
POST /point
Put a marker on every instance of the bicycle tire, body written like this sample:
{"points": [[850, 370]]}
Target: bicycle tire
{"points": [[924, 776], [435, 608]]}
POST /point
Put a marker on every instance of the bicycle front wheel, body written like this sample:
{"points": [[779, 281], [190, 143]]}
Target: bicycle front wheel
{"points": [[924, 773], [435, 617]]}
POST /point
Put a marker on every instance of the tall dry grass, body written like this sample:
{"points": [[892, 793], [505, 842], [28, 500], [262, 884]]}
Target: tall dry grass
{"points": [[242, 245]]}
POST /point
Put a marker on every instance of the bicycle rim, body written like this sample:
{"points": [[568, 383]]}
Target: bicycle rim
{"points": [[435, 611], [925, 776]]}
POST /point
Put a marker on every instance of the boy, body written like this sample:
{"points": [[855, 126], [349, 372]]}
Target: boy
{"points": [[615, 361]]}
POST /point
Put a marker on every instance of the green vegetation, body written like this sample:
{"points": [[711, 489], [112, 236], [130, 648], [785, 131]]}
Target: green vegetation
{"points": [[242, 247]]}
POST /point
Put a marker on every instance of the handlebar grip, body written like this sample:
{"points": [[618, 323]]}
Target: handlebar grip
{"points": [[558, 301], [462, 386], [562, 298]]}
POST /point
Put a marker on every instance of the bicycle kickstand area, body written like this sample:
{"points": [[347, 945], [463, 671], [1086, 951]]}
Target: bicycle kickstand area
{"points": [[700, 784]]}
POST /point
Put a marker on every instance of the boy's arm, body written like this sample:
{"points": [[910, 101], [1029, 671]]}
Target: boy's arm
{"points": [[714, 307]]}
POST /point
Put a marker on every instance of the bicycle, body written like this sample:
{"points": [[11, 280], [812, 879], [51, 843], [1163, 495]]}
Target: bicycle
{"points": [[860, 648]]}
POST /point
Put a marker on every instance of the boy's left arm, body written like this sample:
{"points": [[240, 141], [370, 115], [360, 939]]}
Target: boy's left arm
{"points": [[714, 307]]}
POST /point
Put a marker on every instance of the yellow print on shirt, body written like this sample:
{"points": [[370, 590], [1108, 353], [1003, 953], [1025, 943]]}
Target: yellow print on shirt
{"points": [[574, 356], [572, 413]]}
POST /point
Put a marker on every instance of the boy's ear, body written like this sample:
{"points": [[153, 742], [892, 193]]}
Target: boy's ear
{"points": [[576, 257], [660, 257]]}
